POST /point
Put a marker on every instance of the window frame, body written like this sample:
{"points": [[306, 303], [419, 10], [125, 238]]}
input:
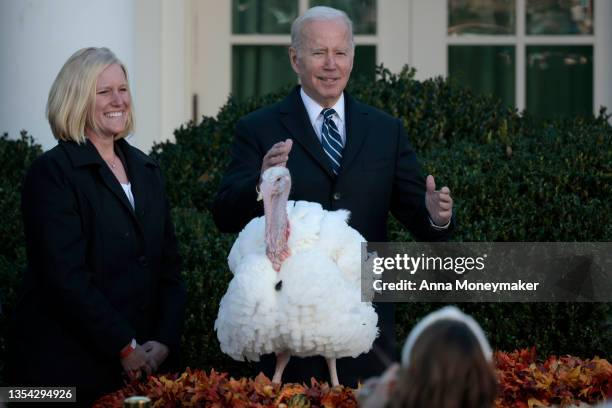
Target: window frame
{"points": [[412, 32], [285, 39], [521, 40]]}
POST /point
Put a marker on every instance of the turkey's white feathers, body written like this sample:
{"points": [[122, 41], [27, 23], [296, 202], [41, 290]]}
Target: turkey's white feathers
{"points": [[318, 309]]}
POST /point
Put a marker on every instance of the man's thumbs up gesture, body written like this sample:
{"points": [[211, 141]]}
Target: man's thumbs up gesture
{"points": [[438, 202]]}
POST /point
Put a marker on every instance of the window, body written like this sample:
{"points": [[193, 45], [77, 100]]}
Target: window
{"points": [[263, 16], [361, 12], [261, 35], [533, 54], [487, 69]]}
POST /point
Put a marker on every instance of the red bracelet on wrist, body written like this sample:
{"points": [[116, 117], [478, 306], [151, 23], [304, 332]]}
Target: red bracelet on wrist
{"points": [[128, 349]]}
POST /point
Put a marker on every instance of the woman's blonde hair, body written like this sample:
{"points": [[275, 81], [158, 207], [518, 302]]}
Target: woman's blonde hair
{"points": [[72, 98]]}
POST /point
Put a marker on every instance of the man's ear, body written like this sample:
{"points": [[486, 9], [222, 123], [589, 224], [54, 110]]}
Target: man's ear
{"points": [[293, 59]]}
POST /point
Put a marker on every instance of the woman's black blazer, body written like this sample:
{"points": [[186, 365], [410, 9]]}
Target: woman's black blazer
{"points": [[99, 272]]}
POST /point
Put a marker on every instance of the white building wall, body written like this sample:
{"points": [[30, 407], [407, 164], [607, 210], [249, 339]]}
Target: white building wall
{"points": [[603, 51], [427, 38], [212, 54], [37, 37], [160, 77], [177, 48], [149, 36]]}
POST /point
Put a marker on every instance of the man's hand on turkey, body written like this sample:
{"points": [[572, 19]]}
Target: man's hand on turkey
{"points": [[277, 155]]}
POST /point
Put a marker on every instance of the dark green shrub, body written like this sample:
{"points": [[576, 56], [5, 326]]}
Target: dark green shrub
{"points": [[206, 275], [436, 112], [550, 187], [580, 329], [15, 156]]}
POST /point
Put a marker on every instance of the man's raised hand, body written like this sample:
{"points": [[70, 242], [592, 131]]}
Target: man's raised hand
{"points": [[439, 203], [277, 155]]}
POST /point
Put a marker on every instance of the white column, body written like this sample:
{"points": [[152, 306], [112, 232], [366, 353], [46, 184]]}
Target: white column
{"points": [[211, 77], [394, 34], [176, 68], [161, 79], [428, 38], [602, 82], [36, 39], [146, 73]]}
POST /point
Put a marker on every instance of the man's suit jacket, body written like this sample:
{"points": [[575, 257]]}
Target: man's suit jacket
{"points": [[379, 174], [99, 272]]}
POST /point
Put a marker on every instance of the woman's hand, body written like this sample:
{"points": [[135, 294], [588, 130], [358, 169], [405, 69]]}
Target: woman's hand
{"points": [[156, 354], [136, 362]]}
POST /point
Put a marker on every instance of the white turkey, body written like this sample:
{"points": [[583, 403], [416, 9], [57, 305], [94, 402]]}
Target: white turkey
{"points": [[296, 288]]}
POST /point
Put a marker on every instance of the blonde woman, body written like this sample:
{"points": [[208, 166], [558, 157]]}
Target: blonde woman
{"points": [[103, 299]]}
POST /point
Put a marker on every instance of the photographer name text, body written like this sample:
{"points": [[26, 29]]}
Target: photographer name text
{"points": [[459, 285]]}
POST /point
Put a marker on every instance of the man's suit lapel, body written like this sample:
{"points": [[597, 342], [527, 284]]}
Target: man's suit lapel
{"points": [[294, 117], [356, 131]]}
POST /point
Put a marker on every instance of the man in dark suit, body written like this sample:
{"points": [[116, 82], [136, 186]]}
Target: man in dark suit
{"points": [[341, 154]]}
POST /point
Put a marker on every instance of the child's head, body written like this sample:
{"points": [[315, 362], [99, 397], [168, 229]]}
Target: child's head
{"points": [[446, 363]]}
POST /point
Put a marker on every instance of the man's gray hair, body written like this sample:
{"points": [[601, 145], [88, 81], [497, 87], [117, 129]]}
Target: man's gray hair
{"points": [[319, 13]]}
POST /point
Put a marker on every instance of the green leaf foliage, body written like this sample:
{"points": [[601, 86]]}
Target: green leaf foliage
{"points": [[15, 156]]}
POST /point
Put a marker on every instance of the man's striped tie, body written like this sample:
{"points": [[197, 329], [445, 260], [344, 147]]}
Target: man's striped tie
{"points": [[331, 140]]}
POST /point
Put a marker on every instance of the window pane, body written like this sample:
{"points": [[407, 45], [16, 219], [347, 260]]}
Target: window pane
{"points": [[258, 70], [263, 16], [364, 63], [559, 80], [560, 17], [361, 12], [491, 17], [484, 69]]}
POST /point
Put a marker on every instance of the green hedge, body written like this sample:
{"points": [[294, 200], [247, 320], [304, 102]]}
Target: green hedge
{"points": [[513, 177], [15, 156]]}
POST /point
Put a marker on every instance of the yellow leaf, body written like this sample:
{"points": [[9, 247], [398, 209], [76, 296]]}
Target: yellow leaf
{"points": [[535, 403]]}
